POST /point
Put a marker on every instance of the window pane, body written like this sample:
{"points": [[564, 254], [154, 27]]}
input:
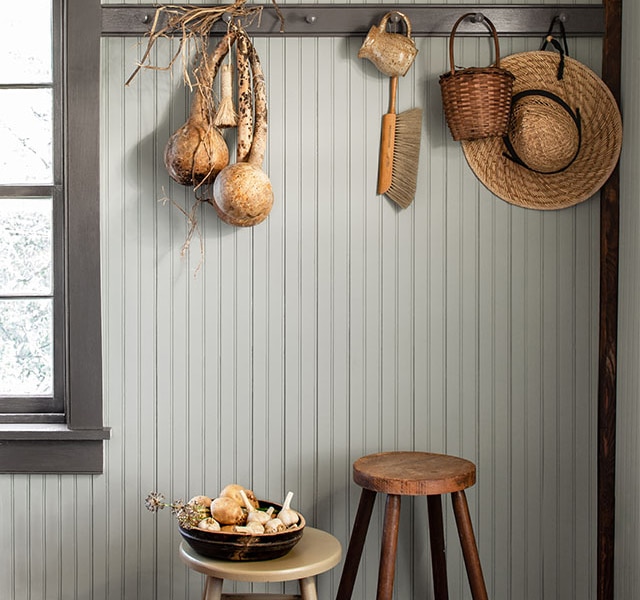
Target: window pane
{"points": [[26, 246], [26, 350], [26, 134], [25, 43]]}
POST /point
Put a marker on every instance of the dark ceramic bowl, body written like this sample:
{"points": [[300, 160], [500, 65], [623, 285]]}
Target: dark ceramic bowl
{"points": [[223, 545]]}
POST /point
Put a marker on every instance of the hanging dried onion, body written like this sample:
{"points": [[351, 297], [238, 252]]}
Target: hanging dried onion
{"points": [[197, 152], [242, 192]]}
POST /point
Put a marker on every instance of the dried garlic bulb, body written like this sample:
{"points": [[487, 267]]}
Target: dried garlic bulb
{"points": [[252, 527], [288, 516], [209, 524], [253, 514], [274, 526]]}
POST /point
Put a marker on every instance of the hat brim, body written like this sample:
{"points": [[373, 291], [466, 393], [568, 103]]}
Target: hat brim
{"points": [[601, 137]]}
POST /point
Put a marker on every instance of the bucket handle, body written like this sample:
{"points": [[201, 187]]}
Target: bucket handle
{"points": [[478, 18]]}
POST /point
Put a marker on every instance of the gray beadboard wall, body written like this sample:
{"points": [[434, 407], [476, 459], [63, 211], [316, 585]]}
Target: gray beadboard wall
{"points": [[277, 355]]}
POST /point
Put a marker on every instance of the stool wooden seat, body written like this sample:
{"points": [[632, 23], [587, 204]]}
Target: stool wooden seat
{"points": [[316, 552], [400, 474]]}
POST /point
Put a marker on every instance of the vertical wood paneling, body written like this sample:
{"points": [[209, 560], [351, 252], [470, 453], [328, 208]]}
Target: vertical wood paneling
{"points": [[342, 325], [533, 457], [517, 471], [275, 449]]}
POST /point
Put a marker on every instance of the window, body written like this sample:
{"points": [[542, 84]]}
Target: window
{"points": [[50, 338]]}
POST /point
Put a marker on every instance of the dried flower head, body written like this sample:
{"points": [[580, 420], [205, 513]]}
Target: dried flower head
{"points": [[188, 515], [184, 519], [154, 502]]}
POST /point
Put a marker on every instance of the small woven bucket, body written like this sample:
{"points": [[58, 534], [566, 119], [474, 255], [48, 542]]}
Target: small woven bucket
{"points": [[476, 100]]}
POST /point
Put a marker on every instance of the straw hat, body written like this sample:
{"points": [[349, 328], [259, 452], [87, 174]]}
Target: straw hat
{"points": [[564, 135]]}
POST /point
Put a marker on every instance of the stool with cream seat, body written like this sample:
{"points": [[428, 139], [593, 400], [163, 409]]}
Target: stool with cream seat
{"points": [[315, 553], [398, 474]]}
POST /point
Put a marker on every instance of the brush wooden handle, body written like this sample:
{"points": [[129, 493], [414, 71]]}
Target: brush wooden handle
{"points": [[393, 89], [387, 141], [385, 161]]}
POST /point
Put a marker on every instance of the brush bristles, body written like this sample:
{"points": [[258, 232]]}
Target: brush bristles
{"points": [[406, 155]]}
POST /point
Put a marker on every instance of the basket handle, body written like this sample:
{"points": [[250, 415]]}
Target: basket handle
{"points": [[382, 26], [494, 33]]}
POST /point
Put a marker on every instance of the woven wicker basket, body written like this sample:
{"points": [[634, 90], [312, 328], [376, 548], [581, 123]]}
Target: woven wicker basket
{"points": [[476, 100]]}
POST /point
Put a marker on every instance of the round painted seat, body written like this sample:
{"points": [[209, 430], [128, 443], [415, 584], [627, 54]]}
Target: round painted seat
{"points": [[400, 474], [316, 552]]}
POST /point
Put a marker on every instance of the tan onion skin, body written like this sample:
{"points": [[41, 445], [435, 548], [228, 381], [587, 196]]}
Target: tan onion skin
{"points": [[197, 152], [227, 511], [242, 192], [233, 490], [243, 195]]}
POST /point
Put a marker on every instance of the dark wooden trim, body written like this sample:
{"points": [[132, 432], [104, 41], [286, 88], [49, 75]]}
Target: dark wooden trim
{"points": [[20, 418], [607, 380], [31, 456], [318, 20], [27, 191], [82, 118], [30, 404], [50, 432]]}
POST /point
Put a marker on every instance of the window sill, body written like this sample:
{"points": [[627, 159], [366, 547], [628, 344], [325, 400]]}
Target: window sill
{"points": [[51, 448]]}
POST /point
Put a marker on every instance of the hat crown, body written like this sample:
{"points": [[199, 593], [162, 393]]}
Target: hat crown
{"points": [[543, 133]]}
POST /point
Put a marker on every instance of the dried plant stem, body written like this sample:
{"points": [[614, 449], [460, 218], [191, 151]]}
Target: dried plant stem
{"points": [[194, 24], [194, 228]]}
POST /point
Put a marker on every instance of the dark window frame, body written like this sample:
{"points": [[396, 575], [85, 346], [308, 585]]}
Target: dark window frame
{"points": [[74, 445]]}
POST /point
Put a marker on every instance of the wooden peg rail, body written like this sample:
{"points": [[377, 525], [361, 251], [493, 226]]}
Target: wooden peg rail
{"points": [[338, 20]]}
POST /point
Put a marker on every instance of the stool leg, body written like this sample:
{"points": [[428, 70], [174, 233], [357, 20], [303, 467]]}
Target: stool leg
{"points": [[356, 544], [438, 554], [469, 548], [212, 588], [308, 588], [389, 547]]}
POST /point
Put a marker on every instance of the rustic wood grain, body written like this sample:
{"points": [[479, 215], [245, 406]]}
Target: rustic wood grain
{"points": [[413, 473], [609, 242]]}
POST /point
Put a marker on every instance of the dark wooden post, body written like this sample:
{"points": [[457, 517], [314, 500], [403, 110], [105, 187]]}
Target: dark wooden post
{"points": [[609, 238]]}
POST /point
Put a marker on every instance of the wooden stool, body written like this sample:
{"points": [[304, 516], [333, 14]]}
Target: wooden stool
{"points": [[315, 553], [400, 474]]}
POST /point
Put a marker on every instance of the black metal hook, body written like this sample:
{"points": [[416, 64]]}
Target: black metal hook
{"points": [[395, 18], [559, 19]]}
